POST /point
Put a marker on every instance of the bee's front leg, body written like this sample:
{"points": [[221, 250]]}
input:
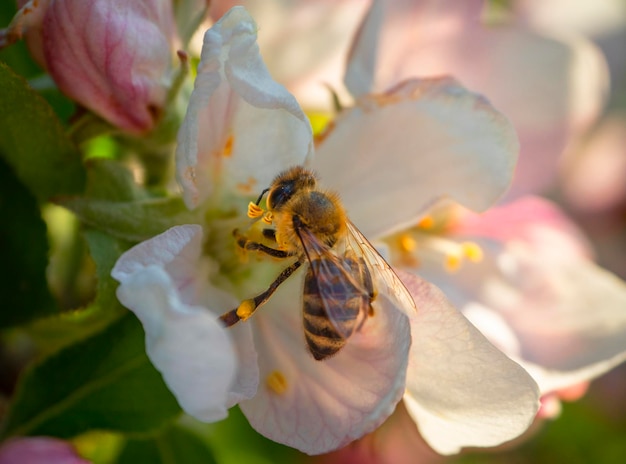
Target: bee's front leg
{"points": [[243, 242], [248, 307]]}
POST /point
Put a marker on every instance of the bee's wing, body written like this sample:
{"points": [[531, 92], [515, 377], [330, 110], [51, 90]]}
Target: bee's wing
{"points": [[385, 281], [337, 283]]}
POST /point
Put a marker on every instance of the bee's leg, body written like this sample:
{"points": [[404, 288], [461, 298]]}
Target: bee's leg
{"points": [[247, 307], [243, 242]]}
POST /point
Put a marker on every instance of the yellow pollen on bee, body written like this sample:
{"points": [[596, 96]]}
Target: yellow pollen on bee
{"points": [[268, 218], [245, 309], [276, 382], [254, 210], [228, 146], [407, 243], [427, 222], [472, 251]]}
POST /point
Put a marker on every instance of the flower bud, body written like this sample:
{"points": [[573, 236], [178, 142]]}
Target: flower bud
{"points": [[112, 56]]}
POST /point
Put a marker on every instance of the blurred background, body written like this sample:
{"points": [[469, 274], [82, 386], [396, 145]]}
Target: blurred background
{"points": [[590, 186]]}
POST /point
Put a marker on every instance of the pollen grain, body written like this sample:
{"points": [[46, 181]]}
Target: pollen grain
{"points": [[276, 382]]}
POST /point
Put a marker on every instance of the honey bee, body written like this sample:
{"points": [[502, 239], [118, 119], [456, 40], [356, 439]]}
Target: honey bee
{"points": [[345, 273]]}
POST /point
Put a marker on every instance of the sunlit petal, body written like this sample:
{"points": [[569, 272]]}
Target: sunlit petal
{"points": [[317, 406], [394, 155], [461, 390], [241, 127]]}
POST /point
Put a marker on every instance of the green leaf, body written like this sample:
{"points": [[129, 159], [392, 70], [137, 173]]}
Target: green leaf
{"points": [[33, 141], [110, 180], [133, 221], [104, 382], [105, 250], [173, 445], [24, 251]]}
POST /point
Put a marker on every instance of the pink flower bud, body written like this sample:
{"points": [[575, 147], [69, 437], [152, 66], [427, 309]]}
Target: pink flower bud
{"points": [[39, 450], [111, 56]]}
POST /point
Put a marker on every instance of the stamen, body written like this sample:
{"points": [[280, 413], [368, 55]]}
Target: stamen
{"points": [[228, 146], [245, 309], [427, 222], [268, 218], [254, 210], [276, 382], [453, 262], [472, 251], [407, 243]]}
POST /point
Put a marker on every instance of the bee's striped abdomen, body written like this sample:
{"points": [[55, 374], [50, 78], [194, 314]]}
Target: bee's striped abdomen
{"points": [[334, 289]]}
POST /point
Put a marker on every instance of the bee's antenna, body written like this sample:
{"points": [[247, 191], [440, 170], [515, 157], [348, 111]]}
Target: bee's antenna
{"points": [[261, 196]]}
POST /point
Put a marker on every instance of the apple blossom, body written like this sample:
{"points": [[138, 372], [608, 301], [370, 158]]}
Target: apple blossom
{"points": [[113, 57], [390, 158], [552, 87], [39, 450], [522, 274]]}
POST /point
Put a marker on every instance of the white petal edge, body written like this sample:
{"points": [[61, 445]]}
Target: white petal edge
{"points": [[394, 155], [461, 391], [178, 251], [241, 127], [187, 344]]}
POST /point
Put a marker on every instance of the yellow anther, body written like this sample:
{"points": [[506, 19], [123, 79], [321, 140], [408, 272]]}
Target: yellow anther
{"points": [[268, 218], [472, 251], [228, 146], [245, 309], [276, 382], [407, 243], [453, 262], [254, 210], [427, 222]]}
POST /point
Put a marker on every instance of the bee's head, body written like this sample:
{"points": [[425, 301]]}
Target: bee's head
{"points": [[288, 183]]}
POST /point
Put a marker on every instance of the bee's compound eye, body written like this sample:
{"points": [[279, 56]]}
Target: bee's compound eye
{"points": [[280, 195]]}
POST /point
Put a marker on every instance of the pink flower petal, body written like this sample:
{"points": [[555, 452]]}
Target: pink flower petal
{"points": [[563, 316], [39, 450], [112, 56]]}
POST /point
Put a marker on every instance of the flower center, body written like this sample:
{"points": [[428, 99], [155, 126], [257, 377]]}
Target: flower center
{"points": [[427, 244]]}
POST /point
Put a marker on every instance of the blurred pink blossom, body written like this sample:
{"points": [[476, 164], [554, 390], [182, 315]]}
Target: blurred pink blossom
{"points": [[39, 450]]}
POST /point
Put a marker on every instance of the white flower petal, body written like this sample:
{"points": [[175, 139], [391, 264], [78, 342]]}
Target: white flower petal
{"points": [[394, 155], [318, 406], [461, 390], [241, 127], [187, 344], [551, 89], [178, 250], [568, 315]]}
